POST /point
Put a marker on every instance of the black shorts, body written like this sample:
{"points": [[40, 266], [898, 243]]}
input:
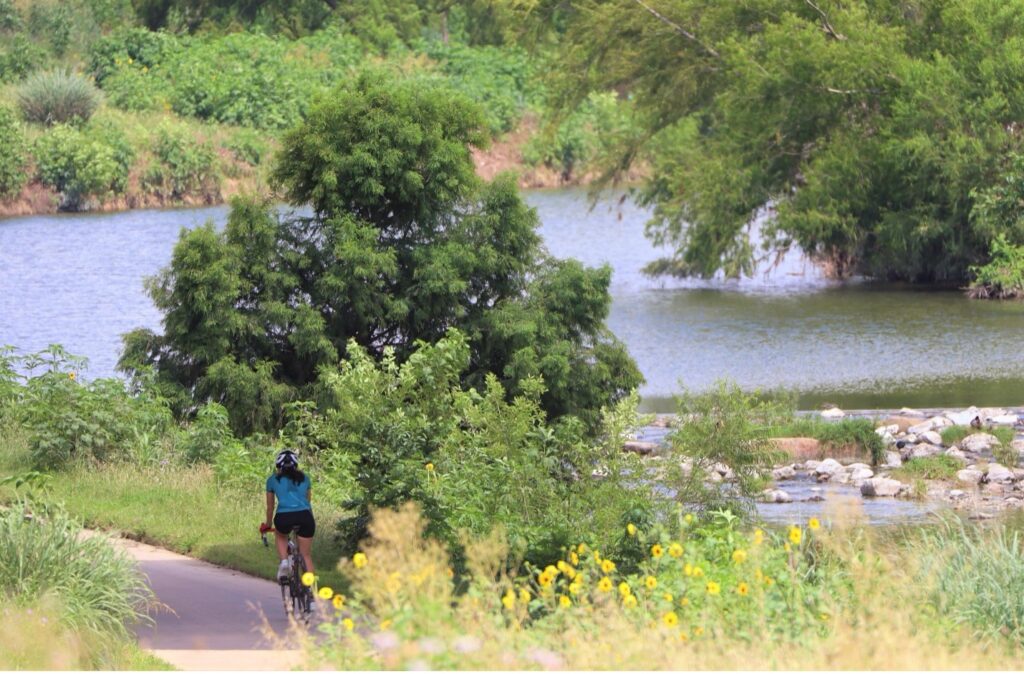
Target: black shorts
{"points": [[301, 520]]}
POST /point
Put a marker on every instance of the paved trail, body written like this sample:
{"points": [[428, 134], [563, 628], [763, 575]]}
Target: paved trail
{"points": [[213, 618]]}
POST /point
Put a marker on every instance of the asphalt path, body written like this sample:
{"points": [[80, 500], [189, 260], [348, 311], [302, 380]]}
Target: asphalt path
{"points": [[210, 617]]}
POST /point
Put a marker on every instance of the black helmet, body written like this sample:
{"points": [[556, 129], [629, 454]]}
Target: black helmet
{"points": [[286, 458]]}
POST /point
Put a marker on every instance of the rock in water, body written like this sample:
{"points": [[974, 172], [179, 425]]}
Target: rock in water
{"points": [[978, 442], [783, 473], [828, 468], [963, 418], [640, 447], [860, 472], [881, 486], [1004, 420], [932, 438], [893, 460], [777, 496], [833, 413]]}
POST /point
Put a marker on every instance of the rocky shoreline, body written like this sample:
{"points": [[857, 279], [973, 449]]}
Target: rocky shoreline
{"points": [[988, 478]]}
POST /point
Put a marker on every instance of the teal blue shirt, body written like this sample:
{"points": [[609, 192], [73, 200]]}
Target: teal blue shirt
{"points": [[291, 497]]}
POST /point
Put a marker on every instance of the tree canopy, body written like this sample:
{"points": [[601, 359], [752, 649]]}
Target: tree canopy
{"points": [[404, 243], [865, 127]]}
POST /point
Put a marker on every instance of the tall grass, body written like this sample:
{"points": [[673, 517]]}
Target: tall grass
{"points": [[57, 97], [855, 433], [954, 434], [42, 553]]}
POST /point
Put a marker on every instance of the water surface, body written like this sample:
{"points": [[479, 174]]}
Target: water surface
{"points": [[78, 280]]}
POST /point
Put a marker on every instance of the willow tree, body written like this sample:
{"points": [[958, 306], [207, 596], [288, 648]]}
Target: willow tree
{"points": [[403, 243], [862, 128]]}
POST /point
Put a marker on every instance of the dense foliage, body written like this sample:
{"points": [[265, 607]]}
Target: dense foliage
{"points": [[57, 97], [863, 127], [13, 154], [404, 243]]}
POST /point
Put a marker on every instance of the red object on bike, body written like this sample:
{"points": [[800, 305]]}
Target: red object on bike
{"points": [[264, 528]]}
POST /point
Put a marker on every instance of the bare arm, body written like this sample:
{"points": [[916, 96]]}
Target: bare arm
{"points": [[270, 508]]}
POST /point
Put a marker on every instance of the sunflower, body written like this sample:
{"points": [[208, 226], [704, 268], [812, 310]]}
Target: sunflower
{"points": [[359, 560], [657, 551], [675, 550], [670, 619], [325, 593], [605, 584], [651, 582]]}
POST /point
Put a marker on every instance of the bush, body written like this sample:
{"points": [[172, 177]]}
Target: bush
{"points": [[127, 47], [209, 435], [20, 57], [184, 166], [13, 154], [132, 88], [928, 468], [249, 146], [858, 433], [43, 554], [79, 167], [1003, 276], [68, 420], [57, 97]]}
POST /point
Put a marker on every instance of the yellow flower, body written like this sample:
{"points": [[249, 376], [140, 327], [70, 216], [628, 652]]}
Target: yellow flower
{"points": [[359, 560], [339, 601], [698, 572], [605, 584], [651, 582], [570, 572], [713, 588], [581, 548], [564, 601], [509, 600], [739, 556], [795, 535], [667, 597], [325, 593], [685, 601], [813, 524], [656, 551], [697, 631], [683, 636], [631, 529], [824, 617], [429, 467], [308, 578], [688, 518], [607, 566], [624, 589], [524, 595], [574, 558], [742, 589], [574, 588], [385, 624], [629, 601], [71, 376], [758, 575], [670, 619], [561, 566], [349, 625], [688, 570], [451, 572], [758, 537], [768, 581], [551, 571], [675, 550], [544, 579]]}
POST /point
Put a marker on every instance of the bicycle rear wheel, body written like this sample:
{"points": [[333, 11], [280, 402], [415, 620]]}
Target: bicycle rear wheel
{"points": [[300, 594]]}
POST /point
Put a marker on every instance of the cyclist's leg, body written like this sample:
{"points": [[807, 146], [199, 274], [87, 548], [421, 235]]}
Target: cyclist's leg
{"points": [[306, 550], [281, 540]]}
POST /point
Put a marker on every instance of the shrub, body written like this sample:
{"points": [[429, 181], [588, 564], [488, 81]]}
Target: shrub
{"points": [[184, 166], [100, 421], [209, 435], [859, 433], [133, 88], [249, 146], [79, 167], [128, 47], [43, 554], [20, 57], [928, 468], [724, 425], [57, 97], [1003, 276], [13, 154], [53, 22]]}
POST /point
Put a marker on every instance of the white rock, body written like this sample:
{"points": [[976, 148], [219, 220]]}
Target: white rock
{"points": [[956, 454], [1004, 420], [1018, 474], [828, 467], [888, 430], [861, 473], [810, 465], [881, 486], [1018, 445], [957, 493], [969, 475], [777, 496], [978, 442], [783, 473], [924, 450], [893, 460], [833, 413], [909, 412], [998, 473], [989, 412], [963, 418], [932, 438]]}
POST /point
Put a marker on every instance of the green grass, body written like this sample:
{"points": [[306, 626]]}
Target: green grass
{"points": [[859, 433], [928, 468], [184, 510], [954, 434]]}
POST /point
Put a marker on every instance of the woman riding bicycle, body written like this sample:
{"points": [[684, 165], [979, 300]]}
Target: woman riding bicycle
{"points": [[291, 488]]}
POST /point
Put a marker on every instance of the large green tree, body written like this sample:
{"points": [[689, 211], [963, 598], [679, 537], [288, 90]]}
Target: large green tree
{"points": [[863, 126], [403, 242]]}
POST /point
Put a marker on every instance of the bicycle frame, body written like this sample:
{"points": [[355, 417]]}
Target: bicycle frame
{"points": [[296, 597]]}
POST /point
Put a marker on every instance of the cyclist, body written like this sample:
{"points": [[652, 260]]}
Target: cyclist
{"points": [[290, 487]]}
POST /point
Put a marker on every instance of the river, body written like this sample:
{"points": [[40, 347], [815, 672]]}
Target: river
{"points": [[77, 279]]}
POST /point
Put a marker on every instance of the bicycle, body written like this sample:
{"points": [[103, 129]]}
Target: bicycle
{"points": [[296, 597]]}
